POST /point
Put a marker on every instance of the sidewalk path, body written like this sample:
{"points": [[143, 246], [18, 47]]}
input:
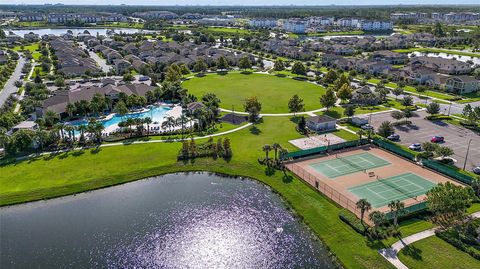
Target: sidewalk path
{"points": [[391, 253]]}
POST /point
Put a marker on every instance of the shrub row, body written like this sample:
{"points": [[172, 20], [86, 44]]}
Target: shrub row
{"points": [[457, 243], [352, 220]]}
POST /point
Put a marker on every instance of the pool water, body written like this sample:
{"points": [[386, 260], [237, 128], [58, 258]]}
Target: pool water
{"points": [[156, 113]]}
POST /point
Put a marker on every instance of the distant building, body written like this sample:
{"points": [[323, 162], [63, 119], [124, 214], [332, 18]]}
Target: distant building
{"points": [[263, 23], [320, 21], [408, 16], [348, 22], [295, 26], [217, 21], [162, 15], [375, 25], [31, 17]]}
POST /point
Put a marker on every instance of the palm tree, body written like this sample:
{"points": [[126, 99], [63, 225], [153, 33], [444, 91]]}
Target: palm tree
{"points": [[121, 109], [81, 128], [98, 129], [276, 147], [397, 208], [60, 127], [50, 118], [378, 218], [69, 129], [129, 122], [360, 133], [148, 121], [171, 123], [70, 109], [266, 149], [364, 206]]}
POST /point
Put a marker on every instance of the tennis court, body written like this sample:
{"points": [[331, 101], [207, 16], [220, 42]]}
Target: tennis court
{"points": [[400, 187], [344, 165]]}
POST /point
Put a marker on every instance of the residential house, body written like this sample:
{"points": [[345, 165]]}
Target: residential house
{"points": [[462, 84], [321, 123]]}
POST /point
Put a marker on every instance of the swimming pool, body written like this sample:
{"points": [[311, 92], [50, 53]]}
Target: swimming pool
{"points": [[156, 113]]}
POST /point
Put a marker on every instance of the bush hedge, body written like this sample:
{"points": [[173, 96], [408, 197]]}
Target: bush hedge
{"points": [[352, 220]]}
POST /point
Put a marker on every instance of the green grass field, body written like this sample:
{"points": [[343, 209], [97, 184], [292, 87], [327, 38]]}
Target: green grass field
{"points": [[272, 91], [78, 171], [434, 253]]}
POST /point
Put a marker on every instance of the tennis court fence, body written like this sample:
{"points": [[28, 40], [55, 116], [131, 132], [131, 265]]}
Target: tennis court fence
{"points": [[323, 149], [343, 200], [324, 188], [394, 148], [449, 171]]}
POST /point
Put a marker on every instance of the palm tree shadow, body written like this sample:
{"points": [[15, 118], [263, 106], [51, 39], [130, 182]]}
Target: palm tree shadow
{"points": [[287, 178], [254, 130], [78, 153], [95, 150], [413, 252]]}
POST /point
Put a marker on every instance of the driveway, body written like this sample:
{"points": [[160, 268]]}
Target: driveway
{"points": [[9, 87], [102, 63], [421, 130]]}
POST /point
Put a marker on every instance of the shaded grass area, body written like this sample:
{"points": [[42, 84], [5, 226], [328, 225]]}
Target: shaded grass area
{"points": [[272, 91], [77, 171], [434, 253]]}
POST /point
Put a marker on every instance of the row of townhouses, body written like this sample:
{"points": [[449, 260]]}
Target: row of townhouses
{"points": [[315, 23], [446, 17], [70, 17]]}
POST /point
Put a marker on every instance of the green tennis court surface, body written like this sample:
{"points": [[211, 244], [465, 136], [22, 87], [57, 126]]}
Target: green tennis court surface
{"points": [[341, 166], [399, 187]]}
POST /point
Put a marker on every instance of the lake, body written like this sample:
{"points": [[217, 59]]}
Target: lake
{"points": [[174, 221], [61, 31], [461, 58]]}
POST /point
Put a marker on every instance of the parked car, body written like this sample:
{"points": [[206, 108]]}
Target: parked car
{"points": [[476, 170], [437, 139], [415, 146], [394, 137], [143, 78], [367, 127]]}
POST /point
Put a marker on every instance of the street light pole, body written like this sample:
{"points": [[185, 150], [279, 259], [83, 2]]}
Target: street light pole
{"points": [[449, 108], [466, 155]]}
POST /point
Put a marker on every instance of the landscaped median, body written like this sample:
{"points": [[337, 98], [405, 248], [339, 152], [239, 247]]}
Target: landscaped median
{"points": [[77, 171]]}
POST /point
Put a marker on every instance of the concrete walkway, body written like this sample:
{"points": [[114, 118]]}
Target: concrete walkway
{"points": [[391, 253]]}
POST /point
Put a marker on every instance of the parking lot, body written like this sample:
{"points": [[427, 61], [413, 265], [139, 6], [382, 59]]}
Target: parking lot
{"points": [[421, 130]]}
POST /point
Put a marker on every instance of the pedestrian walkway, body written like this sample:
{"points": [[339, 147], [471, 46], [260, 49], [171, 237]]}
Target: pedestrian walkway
{"points": [[391, 253]]}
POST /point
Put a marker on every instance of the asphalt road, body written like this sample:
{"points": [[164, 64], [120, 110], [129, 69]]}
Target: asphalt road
{"points": [[421, 130], [102, 63], [9, 87]]}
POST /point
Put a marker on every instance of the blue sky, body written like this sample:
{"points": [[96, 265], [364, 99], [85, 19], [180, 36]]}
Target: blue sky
{"points": [[244, 2]]}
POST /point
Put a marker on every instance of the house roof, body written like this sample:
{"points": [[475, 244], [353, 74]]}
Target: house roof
{"points": [[321, 119]]}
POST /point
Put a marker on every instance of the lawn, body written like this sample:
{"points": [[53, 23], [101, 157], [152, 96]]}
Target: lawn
{"points": [[434, 253], [272, 91], [78, 171]]}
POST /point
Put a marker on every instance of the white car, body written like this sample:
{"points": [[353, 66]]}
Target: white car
{"points": [[476, 170], [415, 146]]}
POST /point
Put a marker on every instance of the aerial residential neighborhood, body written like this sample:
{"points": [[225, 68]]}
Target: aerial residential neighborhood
{"points": [[277, 135]]}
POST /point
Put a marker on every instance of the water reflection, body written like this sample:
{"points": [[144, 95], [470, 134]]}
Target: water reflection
{"points": [[173, 221]]}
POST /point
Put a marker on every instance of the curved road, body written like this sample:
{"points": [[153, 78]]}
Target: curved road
{"points": [[9, 87]]}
